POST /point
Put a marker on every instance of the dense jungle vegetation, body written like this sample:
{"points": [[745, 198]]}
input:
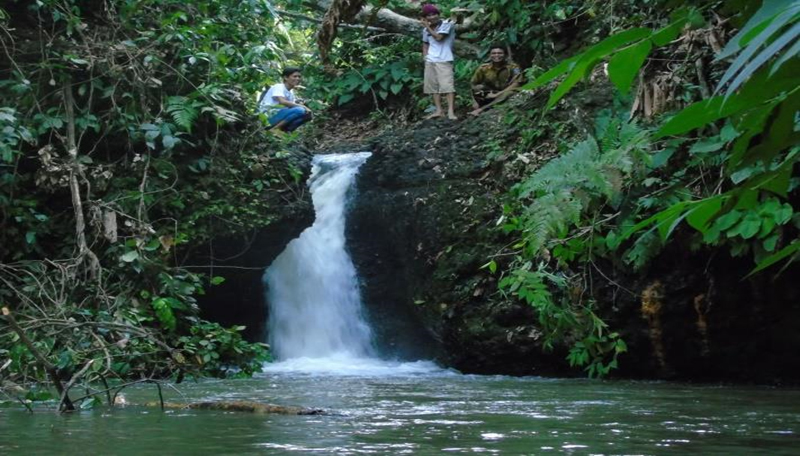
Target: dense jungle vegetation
{"points": [[128, 138]]}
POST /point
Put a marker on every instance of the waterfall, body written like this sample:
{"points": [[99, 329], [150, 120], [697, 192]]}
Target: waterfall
{"points": [[311, 287]]}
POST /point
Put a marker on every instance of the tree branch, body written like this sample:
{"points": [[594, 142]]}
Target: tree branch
{"points": [[51, 370], [74, 187]]}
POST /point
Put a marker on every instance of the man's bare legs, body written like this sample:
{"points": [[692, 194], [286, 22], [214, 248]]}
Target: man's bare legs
{"points": [[437, 103], [451, 105]]}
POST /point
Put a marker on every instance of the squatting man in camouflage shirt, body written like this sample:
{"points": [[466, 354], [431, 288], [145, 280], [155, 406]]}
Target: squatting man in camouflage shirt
{"points": [[495, 81]]}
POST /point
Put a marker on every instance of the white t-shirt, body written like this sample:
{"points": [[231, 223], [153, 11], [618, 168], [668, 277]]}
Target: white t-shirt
{"points": [[440, 51], [270, 103]]}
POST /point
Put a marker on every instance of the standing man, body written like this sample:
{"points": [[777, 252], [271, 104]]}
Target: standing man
{"points": [[493, 82], [437, 49]]}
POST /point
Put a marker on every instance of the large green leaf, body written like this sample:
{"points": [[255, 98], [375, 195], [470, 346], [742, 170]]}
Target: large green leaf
{"points": [[792, 52], [578, 72], [699, 114], [780, 135], [625, 65], [591, 56], [776, 23], [580, 65], [614, 42], [552, 73], [699, 217], [666, 34], [664, 221], [762, 17], [670, 219], [751, 124], [761, 88], [791, 249], [759, 60]]}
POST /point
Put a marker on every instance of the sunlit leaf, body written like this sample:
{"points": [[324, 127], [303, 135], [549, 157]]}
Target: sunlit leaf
{"points": [[625, 64], [130, 256]]}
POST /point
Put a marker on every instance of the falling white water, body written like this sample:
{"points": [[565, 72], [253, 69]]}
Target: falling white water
{"points": [[312, 289]]}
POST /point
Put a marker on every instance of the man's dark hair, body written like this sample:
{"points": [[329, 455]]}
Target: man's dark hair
{"points": [[500, 46], [288, 71]]}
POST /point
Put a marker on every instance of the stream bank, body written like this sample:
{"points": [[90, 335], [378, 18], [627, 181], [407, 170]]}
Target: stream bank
{"points": [[424, 220]]}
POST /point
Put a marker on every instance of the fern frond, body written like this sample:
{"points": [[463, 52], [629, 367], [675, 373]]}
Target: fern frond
{"points": [[549, 216], [183, 111], [584, 176], [563, 172]]}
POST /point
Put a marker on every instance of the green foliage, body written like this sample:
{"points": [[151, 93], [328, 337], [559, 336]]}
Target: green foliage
{"points": [[556, 214], [528, 26], [222, 352], [379, 82], [725, 166], [629, 50], [758, 149], [767, 33], [579, 181], [164, 157], [563, 321], [381, 71]]}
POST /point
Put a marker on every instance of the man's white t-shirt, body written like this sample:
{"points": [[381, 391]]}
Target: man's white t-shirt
{"points": [[440, 51], [270, 103]]}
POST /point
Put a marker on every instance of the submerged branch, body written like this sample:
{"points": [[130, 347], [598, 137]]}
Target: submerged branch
{"points": [[240, 406]]}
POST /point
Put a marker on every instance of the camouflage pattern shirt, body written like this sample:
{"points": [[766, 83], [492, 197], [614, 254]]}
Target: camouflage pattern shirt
{"points": [[495, 79]]}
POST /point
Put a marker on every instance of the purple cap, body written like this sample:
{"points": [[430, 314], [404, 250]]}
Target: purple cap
{"points": [[428, 9]]}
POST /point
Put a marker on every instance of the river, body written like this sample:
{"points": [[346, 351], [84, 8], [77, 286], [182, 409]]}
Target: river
{"points": [[327, 360], [417, 408]]}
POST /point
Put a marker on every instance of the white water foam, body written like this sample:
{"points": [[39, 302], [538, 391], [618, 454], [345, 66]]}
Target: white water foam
{"points": [[312, 288], [347, 366]]}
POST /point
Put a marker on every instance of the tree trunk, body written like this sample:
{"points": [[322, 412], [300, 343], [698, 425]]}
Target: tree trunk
{"points": [[386, 19], [338, 11]]}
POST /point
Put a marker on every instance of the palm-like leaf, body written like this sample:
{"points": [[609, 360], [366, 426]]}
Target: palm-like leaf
{"points": [[775, 26]]}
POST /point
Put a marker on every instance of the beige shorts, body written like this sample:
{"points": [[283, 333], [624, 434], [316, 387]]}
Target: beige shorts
{"points": [[439, 77]]}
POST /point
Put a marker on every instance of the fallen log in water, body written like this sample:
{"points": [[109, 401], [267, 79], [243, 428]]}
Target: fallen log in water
{"points": [[240, 406]]}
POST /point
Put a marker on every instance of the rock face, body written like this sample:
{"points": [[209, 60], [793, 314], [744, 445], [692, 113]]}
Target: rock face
{"points": [[423, 223], [420, 227], [693, 316]]}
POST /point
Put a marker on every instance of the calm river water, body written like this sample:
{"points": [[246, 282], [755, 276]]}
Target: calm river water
{"points": [[416, 408]]}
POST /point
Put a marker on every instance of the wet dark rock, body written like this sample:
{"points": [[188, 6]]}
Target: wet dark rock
{"points": [[713, 324], [423, 224], [419, 229], [241, 406]]}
